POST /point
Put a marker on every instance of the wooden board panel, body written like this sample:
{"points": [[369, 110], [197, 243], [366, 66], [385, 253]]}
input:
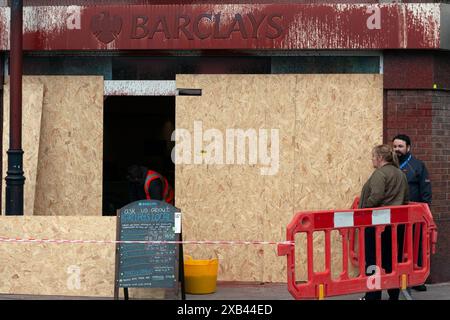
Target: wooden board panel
{"points": [[211, 196], [62, 269], [53, 269], [69, 175], [279, 191], [339, 120], [32, 95], [329, 125]]}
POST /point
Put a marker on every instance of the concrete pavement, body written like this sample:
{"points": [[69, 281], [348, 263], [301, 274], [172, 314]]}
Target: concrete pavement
{"points": [[277, 291], [255, 291]]}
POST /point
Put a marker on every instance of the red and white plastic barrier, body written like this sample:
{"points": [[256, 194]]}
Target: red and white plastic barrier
{"points": [[404, 273]]}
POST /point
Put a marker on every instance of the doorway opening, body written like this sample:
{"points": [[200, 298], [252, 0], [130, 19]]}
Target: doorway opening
{"points": [[137, 131]]}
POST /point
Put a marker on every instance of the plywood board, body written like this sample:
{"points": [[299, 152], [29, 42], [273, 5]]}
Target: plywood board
{"points": [[339, 120], [279, 191], [51, 269], [62, 269], [210, 196], [32, 96], [69, 174], [328, 125]]}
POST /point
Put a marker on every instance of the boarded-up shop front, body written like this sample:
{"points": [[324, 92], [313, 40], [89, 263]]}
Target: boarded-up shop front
{"points": [[314, 130], [280, 126]]}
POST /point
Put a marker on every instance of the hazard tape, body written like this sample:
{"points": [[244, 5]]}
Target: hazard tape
{"points": [[220, 242]]}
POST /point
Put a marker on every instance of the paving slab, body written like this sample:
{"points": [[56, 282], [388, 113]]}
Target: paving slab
{"points": [[254, 291]]}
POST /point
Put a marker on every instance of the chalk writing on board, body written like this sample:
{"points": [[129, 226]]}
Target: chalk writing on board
{"points": [[148, 265]]}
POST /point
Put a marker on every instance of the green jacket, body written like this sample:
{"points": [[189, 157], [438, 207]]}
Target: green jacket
{"points": [[387, 186]]}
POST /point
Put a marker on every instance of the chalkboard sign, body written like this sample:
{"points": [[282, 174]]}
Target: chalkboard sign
{"points": [[147, 265]]}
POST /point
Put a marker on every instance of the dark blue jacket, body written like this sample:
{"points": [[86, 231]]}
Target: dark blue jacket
{"points": [[418, 181]]}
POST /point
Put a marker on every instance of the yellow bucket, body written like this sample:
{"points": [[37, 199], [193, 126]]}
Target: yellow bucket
{"points": [[200, 276]]}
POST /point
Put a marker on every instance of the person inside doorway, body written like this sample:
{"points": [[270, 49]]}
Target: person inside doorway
{"points": [[148, 184]]}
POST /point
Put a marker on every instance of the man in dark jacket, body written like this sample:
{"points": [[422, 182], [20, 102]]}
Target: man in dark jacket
{"points": [[418, 180]]}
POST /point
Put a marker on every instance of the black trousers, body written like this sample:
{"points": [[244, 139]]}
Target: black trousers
{"points": [[386, 256]]}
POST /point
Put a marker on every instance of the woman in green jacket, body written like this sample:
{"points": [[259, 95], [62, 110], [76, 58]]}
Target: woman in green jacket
{"points": [[387, 186]]}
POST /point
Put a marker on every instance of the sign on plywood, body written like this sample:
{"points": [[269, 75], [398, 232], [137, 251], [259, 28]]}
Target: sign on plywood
{"points": [[148, 265]]}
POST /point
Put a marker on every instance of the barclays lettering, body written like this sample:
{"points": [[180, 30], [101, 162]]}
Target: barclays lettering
{"points": [[208, 26]]}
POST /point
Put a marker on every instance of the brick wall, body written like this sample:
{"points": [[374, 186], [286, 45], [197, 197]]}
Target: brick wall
{"points": [[441, 154], [424, 115], [440, 271], [410, 112]]}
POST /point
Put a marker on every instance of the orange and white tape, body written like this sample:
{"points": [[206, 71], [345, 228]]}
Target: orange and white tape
{"points": [[208, 242]]}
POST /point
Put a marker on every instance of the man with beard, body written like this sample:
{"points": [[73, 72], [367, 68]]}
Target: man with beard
{"points": [[418, 181]]}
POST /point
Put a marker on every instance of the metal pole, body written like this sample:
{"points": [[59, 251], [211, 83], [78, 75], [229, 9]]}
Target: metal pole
{"points": [[2, 158], [15, 179]]}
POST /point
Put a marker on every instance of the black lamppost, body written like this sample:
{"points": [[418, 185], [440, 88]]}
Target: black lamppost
{"points": [[15, 179]]}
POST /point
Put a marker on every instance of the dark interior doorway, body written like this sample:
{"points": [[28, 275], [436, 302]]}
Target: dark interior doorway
{"points": [[137, 131]]}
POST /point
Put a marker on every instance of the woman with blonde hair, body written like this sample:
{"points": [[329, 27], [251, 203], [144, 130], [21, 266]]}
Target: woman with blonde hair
{"points": [[387, 186]]}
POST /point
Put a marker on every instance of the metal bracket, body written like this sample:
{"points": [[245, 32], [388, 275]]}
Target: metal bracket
{"points": [[189, 92]]}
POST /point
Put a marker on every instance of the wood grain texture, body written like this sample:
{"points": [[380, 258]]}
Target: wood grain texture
{"points": [[69, 174], [53, 269], [32, 97], [327, 126]]}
